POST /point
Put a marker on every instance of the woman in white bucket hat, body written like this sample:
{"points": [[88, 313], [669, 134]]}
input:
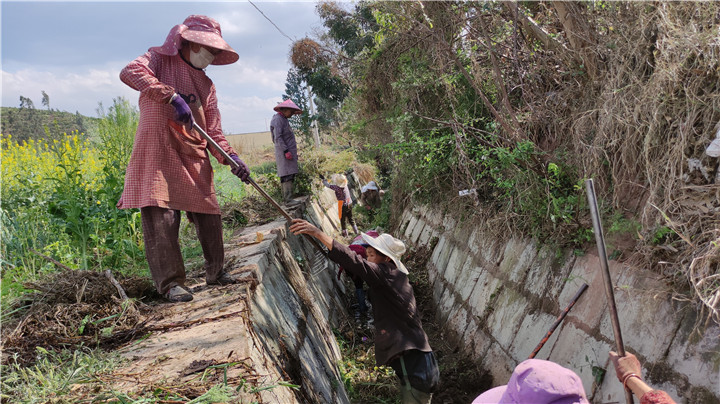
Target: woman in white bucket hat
{"points": [[400, 340]]}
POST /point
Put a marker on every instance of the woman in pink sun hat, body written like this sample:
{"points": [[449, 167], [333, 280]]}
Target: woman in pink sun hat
{"points": [[169, 170], [286, 156]]}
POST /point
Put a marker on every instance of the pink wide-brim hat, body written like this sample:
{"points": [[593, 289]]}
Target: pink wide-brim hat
{"points": [[202, 30], [290, 105], [540, 382]]}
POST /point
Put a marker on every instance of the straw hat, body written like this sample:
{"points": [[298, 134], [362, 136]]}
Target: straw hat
{"points": [[339, 180], [289, 105], [389, 246], [537, 381], [202, 30]]}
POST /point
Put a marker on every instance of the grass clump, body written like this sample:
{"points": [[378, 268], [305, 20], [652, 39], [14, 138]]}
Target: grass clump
{"points": [[364, 381], [57, 376]]}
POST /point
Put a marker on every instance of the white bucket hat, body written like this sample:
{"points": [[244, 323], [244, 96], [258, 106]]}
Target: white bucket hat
{"points": [[372, 185], [389, 246]]}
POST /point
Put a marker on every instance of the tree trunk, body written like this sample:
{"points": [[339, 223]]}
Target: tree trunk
{"points": [[579, 33], [533, 29]]}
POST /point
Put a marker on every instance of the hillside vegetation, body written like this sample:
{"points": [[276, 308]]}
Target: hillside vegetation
{"points": [[524, 101], [30, 123]]}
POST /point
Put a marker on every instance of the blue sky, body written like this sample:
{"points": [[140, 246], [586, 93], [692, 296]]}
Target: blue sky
{"points": [[74, 51]]}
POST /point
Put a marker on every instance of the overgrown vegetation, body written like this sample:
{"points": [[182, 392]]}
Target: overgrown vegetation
{"points": [[58, 202], [62, 230], [521, 102], [26, 122], [85, 375], [364, 381]]}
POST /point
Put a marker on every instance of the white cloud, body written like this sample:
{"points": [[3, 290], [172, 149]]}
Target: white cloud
{"points": [[68, 91], [246, 114], [263, 80], [237, 23]]}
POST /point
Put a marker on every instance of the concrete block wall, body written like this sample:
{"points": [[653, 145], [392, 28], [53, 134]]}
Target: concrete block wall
{"points": [[291, 313], [499, 298]]}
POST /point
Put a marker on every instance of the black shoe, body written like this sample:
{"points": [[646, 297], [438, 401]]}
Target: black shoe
{"points": [[178, 294]]}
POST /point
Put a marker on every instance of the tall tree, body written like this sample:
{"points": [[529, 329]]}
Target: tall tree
{"points": [[26, 103], [296, 90], [45, 100]]}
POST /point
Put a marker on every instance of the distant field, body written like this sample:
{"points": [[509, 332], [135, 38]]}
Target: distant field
{"points": [[247, 142]]}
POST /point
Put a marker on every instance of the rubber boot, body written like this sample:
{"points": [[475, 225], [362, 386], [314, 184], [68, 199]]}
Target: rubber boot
{"points": [[355, 229], [287, 194]]}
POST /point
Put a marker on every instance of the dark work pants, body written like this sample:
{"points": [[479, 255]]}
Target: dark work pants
{"points": [[346, 217], [417, 369], [161, 228]]}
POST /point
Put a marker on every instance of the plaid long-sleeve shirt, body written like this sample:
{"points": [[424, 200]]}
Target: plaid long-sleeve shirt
{"points": [[164, 171]]}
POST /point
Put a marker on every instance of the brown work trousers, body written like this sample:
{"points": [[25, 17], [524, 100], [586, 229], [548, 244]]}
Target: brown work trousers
{"points": [[161, 228]]}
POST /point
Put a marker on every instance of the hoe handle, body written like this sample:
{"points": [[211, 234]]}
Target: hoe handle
{"points": [[559, 320], [252, 182]]}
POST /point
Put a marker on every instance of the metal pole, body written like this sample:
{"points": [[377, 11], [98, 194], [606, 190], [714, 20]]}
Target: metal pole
{"points": [[559, 320], [262, 192], [602, 254]]}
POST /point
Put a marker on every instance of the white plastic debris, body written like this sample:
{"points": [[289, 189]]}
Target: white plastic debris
{"points": [[713, 150], [696, 164]]}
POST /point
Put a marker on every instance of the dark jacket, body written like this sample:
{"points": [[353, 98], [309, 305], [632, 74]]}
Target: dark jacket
{"points": [[397, 321]]}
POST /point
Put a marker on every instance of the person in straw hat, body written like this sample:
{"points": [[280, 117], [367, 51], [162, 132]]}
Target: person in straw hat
{"points": [[342, 193], [286, 156], [169, 169], [400, 340]]}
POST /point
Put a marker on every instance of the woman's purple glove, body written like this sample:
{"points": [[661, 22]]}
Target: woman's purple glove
{"points": [[241, 171], [182, 110]]}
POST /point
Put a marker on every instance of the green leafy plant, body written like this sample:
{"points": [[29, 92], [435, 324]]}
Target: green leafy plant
{"points": [[661, 235]]}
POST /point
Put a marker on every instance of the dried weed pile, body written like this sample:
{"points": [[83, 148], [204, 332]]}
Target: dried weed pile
{"points": [[252, 210], [73, 308], [644, 135]]}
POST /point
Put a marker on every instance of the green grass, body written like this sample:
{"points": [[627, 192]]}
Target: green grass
{"points": [[363, 380], [55, 375]]}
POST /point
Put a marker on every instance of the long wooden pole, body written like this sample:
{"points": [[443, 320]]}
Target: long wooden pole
{"points": [[602, 253], [262, 192], [559, 320]]}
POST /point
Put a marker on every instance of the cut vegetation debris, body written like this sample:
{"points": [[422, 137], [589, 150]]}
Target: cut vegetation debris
{"points": [[74, 308]]}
